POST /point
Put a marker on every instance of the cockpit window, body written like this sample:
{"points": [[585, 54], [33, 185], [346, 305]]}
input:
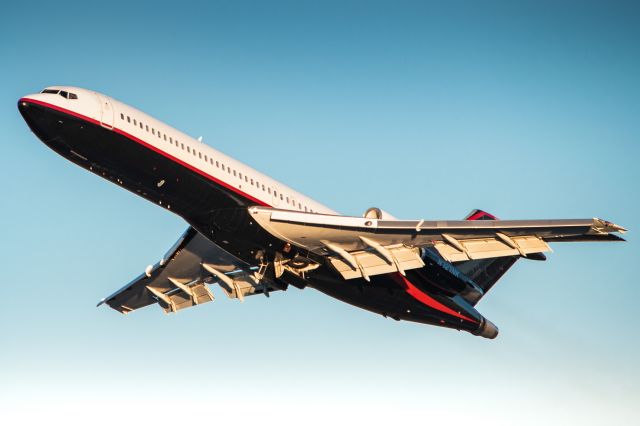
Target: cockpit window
{"points": [[63, 93]]}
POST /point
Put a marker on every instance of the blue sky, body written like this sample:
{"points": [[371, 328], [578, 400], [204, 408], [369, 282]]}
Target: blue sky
{"points": [[425, 109]]}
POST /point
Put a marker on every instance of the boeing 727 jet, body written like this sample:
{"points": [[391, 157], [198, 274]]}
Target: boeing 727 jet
{"points": [[250, 234]]}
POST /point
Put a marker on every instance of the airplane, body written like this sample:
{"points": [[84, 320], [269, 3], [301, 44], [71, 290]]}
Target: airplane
{"points": [[250, 234]]}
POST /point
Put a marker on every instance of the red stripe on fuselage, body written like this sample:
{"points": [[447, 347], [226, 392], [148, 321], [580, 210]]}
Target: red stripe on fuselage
{"points": [[149, 146], [424, 298]]}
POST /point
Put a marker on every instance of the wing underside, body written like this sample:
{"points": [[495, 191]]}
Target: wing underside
{"points": [[181, 279]]}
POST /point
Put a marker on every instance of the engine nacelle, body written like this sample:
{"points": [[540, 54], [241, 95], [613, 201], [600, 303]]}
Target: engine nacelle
{"points": [[376, 213], [487, 329]]}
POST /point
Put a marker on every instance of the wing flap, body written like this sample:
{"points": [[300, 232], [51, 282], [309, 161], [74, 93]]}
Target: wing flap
{"points": [[244, 284], [370, 263], [485, 248], [197, 293]]}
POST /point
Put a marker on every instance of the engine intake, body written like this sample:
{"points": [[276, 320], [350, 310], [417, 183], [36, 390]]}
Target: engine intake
{"points": [[376, 213]]}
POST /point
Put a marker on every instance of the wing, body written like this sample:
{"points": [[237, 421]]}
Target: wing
{"points": [[181, 278], [362, 247]]}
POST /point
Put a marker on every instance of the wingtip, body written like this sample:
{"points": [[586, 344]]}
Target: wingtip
{"points": [[101, 302], [610, 226]]}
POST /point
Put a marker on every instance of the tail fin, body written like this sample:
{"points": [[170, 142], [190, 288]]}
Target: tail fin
{"points": [[477, 214], [486, 272]]}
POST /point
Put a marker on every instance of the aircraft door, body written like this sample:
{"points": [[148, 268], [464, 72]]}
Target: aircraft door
{"points": [[106, 112]]}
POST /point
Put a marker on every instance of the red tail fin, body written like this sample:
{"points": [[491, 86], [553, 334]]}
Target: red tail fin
{"points": [[478, 214], [486, 272]]}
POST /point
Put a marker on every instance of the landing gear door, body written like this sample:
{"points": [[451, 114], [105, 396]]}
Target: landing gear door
{"points": [[106, 112]]}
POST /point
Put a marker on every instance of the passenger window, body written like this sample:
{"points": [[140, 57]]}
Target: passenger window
{"points": [[182, 146], [188, 149], [153, 131], [128, 119], [165, 137], [240, 175], [269, 190], [200, 155], [263, 186], [121, 116], [170, 140], [281, 196], [135, 123], [251, 181], [217, 164], [147, 126], [141, 126]]}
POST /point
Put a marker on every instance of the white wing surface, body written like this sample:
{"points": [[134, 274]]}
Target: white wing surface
{"points": [[362, 247]]}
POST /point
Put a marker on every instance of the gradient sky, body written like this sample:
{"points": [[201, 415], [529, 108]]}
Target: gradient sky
{"points": [[425, 109]]}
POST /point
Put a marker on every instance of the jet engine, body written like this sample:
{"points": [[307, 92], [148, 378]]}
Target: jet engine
{"points": [[376, 213]]}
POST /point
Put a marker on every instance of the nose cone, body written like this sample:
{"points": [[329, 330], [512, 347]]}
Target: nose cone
{"points": [[23, 105], [28, 110], [38, 116]]}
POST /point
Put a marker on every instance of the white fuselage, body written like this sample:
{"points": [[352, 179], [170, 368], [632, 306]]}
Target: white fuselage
{"points": [[180, 147]]}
